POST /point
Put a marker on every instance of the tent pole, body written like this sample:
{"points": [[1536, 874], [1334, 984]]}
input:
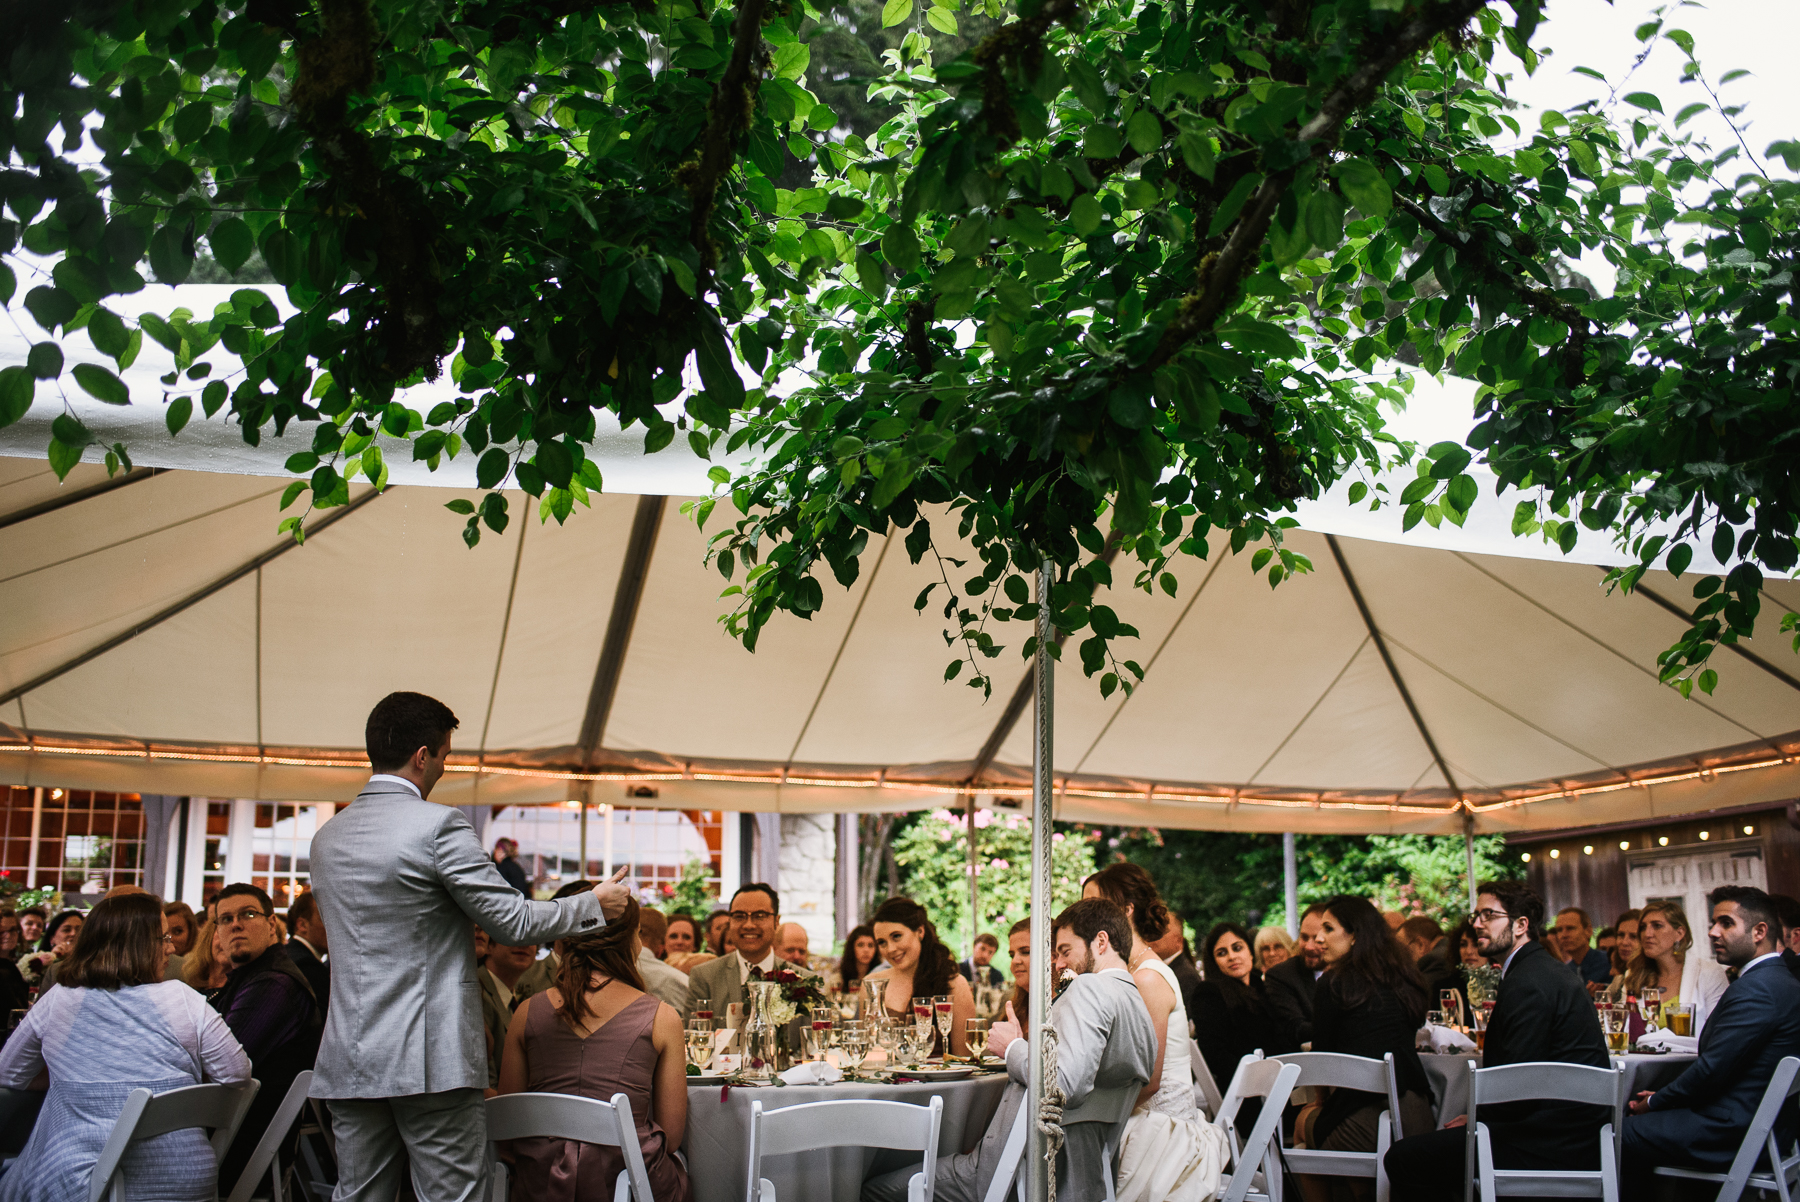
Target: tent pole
{"points": [[582, 871], [1037, 1173], [974, 889], [1469, 855], [1290, 880]]}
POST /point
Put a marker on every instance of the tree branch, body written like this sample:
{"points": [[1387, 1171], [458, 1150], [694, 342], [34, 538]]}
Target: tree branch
{"points": [[727, 119]]}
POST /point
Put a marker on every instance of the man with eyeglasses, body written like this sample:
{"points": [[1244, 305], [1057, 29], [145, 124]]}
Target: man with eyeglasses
{"points": [[269, 1005], [755, 915], [1542, 1012]]}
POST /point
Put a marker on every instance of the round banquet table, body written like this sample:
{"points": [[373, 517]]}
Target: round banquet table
{"points": [[1449, 1076], [717, 1146]]}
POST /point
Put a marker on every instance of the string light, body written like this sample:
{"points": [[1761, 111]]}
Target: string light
{"points": [[1555, 853], [1624, 844], [1588, 850], [1704, 836], [1525, 856], [1663, 841]]}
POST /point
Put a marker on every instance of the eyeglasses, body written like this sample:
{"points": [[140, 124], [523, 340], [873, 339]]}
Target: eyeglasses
{"points": [[757, 916], [240, 918], [1489, 915]]}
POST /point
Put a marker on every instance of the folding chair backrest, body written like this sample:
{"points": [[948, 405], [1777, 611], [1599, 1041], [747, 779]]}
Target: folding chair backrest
{"points": [[1241, 1087], [1760, 1135], [268, 1148], [1274, 1082], [1008, 1177], [1543, 1080], [852, 1122], [1204, 1082], [145, 1116], [1339, 1071], [571, 1117]]}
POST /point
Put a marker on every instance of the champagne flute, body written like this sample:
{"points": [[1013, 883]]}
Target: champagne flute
{"points": [[820, 1034], [1650, 1006], [975, 1030], [945, 1013], [921, 1008]]}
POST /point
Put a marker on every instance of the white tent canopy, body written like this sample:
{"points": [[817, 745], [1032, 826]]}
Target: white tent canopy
{"points": [[160, 636]]}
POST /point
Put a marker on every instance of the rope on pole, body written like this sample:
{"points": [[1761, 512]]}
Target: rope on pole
{"points": [[1040, 1163]]}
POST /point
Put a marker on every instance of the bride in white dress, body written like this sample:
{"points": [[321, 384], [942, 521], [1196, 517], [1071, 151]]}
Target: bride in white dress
{"points": [[1170, 1153]]}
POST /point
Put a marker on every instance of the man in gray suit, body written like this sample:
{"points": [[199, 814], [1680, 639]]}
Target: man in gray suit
{"points": [[398, 880], [717, 984]]}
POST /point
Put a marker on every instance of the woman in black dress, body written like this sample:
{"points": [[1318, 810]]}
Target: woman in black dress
{"points": [[1371, 1001], [1231, 1013]]}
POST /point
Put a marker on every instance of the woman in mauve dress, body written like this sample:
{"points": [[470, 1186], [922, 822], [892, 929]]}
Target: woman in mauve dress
{"points": [[597, 1033], [112, 1025]]}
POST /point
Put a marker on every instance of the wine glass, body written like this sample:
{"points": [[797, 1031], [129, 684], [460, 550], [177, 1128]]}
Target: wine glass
{"points": [[853, 1037], [1450, 1002], [699, 1046], [945, 1012], [922, 1019], [820, 1033], [1650, 1006], [887, 1035]]}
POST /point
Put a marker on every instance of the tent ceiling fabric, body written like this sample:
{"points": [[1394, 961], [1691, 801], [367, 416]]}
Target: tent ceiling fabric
{"points": [[1263, 710]]}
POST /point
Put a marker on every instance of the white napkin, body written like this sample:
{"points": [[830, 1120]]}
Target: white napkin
{"points": [[1444, 1041], [813, 1072], [1669, 1041]]}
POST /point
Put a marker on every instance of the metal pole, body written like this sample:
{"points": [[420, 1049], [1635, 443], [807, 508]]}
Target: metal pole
{"points": [[608, 870], [974, 890], [1469, 855], [1043, 780], [37, 832], [1290, 879], [582, 871]]}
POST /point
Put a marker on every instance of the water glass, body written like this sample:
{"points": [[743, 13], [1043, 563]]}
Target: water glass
{"points": [[819, 1033], [1436, 1018], [853, 1038], [886, 1034]]}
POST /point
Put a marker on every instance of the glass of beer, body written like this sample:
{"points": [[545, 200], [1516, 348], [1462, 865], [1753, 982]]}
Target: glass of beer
{"points": [[1614, 1021], [1679, 1018], [1479, 1019]]}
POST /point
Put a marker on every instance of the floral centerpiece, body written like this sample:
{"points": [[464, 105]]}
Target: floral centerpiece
{"points": [[1484, 983], [795, 991]]}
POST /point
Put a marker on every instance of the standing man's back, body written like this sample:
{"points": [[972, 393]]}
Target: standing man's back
{"points": [[398, 881]]}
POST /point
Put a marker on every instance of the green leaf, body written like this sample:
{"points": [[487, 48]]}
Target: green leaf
{"points": [[107, 332], [1102, 142], [1085, 214], [717, 372], [1144, 131], [101, 384], [1233, 203], [894, 12], [1363, 184], [491, 468], [941, 19], [16, 389], [45, 360], [1679, 558], [1644, 100], [176, 416], [232, 243], [900, 247]]}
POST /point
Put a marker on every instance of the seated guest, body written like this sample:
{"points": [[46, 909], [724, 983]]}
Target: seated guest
{"points": [[1574, 935], [9, 934], [1698, 1120], [595, 1033], [1370, 1001], [506, 859], [1665, 959], [182, 926], [205, 968], [1272, 947], [1169, 1151], [495, 1016], [718, 985], [1606, 938], [1289, 986], [57, 942], [660, 981], [680, 940], [1625, 943], [1104, 1041], [14, 995], [1426, 944], [1018, 941], [116, 1025], [858, 962], [308, 947], [717, 923], [32, 920], [269, 1006], [1235, 1017], [513, 973], [1172, 949], [1542, 1013], [920, 966], [1468, 947], [790, 944], [1790, 913], [979, 967]]}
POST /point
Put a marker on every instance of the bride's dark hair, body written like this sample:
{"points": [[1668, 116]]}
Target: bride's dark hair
{"points": [[605, 951]]}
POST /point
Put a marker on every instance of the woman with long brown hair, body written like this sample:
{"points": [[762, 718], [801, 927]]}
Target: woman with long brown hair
{"points": [[594, 1034], [201, 968], [112, 1025], [1666, 959], [919, 966]]}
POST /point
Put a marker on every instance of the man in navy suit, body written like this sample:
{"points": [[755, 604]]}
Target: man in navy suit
{"points": [[1698, 1120]]}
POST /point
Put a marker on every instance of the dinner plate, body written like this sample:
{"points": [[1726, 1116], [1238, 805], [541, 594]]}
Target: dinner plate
{"points": [[708, 1079], [934, 1074]]}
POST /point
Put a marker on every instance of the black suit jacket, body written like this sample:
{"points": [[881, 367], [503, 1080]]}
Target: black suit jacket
{"points": [[1543, 1012], [1187, 975], [1290, 987], [315, 970], [1702, 1114]]}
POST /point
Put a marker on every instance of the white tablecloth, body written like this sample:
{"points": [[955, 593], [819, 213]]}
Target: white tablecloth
{"points": [[718, 1136], [1449, 1076]]}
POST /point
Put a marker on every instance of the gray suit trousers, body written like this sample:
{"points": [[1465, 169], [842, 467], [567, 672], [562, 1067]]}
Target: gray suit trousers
{"points": [[441, 1136]]}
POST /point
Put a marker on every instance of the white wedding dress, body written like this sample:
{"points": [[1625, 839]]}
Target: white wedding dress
{"points": [[1170, 1152]]}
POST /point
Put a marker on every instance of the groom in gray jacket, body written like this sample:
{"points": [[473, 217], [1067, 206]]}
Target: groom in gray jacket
{"points": [[399, 881]]}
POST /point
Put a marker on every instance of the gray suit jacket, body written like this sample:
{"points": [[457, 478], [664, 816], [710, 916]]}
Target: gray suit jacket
{"points": [[399, 883], [662, 982]]}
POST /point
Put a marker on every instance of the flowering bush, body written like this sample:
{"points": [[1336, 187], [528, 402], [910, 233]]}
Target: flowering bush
{"points": [[934, 855]]}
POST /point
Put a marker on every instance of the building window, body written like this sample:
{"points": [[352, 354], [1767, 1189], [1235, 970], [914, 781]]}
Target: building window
{"points": [[218, 846], [281, 847], [658, 845], [87, 842]]}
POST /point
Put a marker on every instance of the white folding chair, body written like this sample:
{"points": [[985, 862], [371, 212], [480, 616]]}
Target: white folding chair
{"points": [[1225, 1117], [853, 1123], [571, 1117], [1759, 1137], [1258, 1171], [1365, 1076], [265, 1160], [1007, 1177], [1547, 1081], [1204, 1082], [146, 1115]]}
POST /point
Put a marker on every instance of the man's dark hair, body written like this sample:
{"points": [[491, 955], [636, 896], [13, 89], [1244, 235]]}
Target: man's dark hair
{"points": [[1788, 910], [992, 941], [41, 914], [304, 908], [400, 724], [1420, 927], [1315, 908], [758, 887], [245, 889], [1088, 917], [1586, 922], [1755, 905], [1520, 901]]}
